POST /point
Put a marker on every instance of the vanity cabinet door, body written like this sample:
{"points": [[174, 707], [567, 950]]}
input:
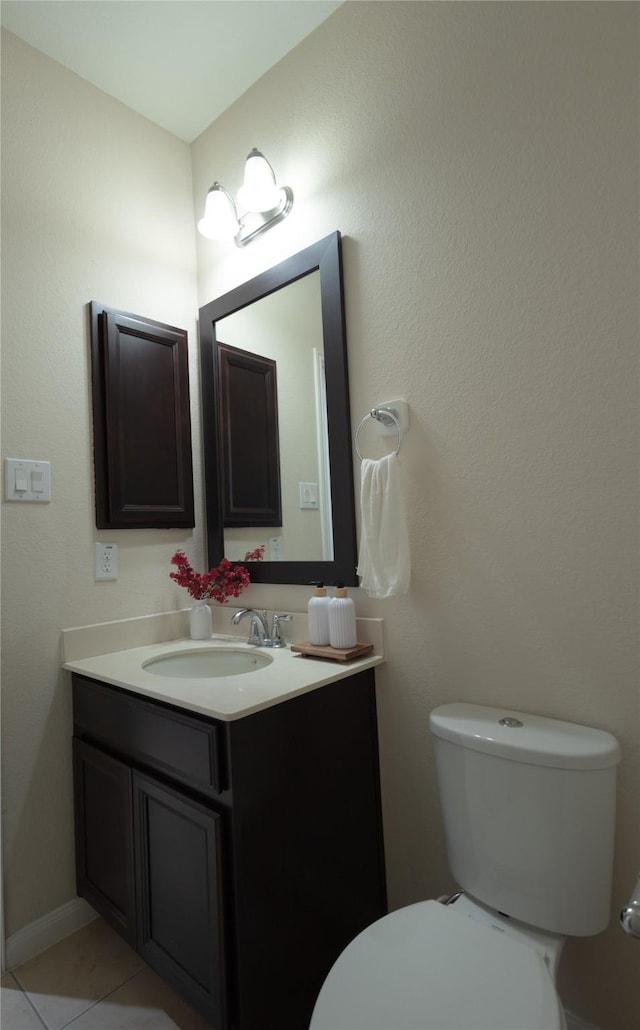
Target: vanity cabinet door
{"points": [[179, 893], [104, 837]]}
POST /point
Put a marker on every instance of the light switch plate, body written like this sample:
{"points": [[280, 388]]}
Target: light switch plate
{"points": [[27, 480]]}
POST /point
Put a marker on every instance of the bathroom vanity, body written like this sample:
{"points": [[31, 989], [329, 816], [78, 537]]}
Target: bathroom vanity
{"points": [[238, 854]]}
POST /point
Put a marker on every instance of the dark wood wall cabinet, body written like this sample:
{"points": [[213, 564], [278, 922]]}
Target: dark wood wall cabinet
{"points": [[239, 858], [141, 422]]}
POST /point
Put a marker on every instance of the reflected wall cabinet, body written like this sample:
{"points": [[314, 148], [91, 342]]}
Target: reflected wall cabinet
{"points": [[248, 406]]}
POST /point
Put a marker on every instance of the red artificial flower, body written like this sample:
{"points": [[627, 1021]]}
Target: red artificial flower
{"points": [[256, 555], [218, 584]]}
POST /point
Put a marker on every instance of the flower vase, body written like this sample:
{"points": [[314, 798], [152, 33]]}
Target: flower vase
{"points": [[200, 623]]}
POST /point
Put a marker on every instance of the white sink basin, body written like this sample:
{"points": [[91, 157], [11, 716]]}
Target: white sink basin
{"points": [[207, 663]]}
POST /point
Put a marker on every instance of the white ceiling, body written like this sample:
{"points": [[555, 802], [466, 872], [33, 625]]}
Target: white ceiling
{"points": [[180, 63]]}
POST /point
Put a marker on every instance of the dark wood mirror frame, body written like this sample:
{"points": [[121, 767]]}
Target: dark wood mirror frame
{"points": [[324, 256]]}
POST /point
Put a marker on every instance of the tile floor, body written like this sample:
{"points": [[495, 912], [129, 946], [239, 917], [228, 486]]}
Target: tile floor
{"points": [[92, 980]]}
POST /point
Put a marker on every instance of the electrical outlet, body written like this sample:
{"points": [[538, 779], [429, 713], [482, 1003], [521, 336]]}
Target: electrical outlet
{"points": [[106, 561], [308, 495], [275, 548]]}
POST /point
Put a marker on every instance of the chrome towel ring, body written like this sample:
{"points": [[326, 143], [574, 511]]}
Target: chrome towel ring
{"points": [[387, 417]]}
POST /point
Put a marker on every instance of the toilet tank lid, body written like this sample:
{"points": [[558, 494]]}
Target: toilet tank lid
{"points": [[522, 737]]}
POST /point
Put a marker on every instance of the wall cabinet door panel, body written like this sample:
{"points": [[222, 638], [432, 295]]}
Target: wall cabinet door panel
{"points": [[141, 422], [249, 438]]}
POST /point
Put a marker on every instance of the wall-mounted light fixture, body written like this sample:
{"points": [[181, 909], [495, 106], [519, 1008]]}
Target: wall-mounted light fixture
{"points": [[264, 203]]}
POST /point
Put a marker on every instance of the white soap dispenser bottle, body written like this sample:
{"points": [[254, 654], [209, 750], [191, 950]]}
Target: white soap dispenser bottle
{"points": [[342, 619], [318, 612]]}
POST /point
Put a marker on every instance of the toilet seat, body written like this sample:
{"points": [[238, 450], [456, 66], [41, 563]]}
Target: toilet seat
{"points": [[425, 967]]}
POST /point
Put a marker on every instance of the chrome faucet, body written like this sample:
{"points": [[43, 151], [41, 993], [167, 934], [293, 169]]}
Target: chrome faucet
{"points": [[258, 631], [259, 635]]}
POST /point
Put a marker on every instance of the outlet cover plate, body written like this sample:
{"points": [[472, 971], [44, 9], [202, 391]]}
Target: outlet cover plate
{"points": [[106, 561]]}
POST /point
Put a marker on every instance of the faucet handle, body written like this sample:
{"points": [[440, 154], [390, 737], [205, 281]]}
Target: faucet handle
{"points": [[276, 637]]}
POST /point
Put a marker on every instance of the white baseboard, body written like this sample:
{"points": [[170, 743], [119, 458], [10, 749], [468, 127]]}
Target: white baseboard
{"points": [[47, 931]]}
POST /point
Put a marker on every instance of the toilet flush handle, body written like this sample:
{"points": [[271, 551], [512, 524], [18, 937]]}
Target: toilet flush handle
{"points": [[630, 914]]}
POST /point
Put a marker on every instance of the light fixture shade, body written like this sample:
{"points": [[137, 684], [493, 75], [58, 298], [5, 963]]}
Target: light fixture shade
{"points": [[259, 191], [220, 221]]}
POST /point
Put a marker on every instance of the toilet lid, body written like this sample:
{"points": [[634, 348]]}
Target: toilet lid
{"points": [[427, 968]]}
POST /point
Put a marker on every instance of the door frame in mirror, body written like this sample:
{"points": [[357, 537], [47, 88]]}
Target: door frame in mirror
{"points": [[325, 256]]}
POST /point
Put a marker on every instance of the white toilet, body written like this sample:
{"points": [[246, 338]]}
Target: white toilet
{"points": [[529, 811]]}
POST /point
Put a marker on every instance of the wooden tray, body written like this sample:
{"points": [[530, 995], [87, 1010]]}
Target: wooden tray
{"points": [[337, 654]]}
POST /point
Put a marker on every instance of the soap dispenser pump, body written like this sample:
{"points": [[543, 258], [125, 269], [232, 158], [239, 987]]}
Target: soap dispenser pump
{"points": [[318, 612], [342, 619]]}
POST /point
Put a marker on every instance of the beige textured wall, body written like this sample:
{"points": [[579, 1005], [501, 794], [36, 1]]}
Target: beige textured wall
{"points": [[96, 206], [481, 162]]}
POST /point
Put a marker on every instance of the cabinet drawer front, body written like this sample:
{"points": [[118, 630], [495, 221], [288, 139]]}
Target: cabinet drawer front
{"points": [[185, 748]]}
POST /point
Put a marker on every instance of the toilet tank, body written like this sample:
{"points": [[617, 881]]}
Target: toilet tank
{"points": [[529, 813]]}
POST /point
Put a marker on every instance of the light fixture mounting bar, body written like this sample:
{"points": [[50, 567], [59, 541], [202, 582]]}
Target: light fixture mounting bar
{"points": [[254, 223]]}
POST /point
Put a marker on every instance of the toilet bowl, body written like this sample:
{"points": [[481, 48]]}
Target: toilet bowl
{"points": [[429, 967], [528, 806]]}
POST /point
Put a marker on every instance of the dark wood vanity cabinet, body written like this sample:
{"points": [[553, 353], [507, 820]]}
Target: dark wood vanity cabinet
{"points": [[239, 858]]}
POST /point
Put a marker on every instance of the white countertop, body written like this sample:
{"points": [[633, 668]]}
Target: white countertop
{"points": [[221, 697]]}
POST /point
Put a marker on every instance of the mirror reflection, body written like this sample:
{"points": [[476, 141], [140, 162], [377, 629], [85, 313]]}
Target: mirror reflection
{"points": [[286, 328], [289, 319]]}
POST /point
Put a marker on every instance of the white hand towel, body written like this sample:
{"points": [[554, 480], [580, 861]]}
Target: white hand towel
{"points": [[384, 565]]}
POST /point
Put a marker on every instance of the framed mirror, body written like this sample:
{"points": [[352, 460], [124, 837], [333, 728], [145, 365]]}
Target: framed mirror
{"points": [[292, 315]]}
